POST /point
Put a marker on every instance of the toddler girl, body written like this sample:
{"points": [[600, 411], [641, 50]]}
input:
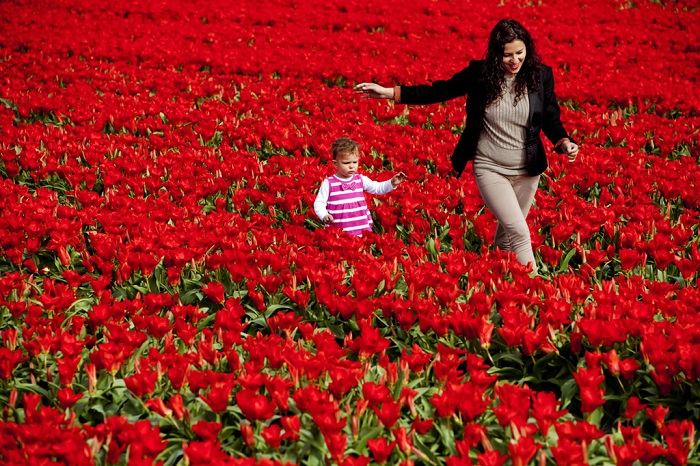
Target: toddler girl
{"points": [[341, 200]]}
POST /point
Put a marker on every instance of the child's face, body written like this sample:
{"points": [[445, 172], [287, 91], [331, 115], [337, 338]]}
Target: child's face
{"points": [[346, 163]]}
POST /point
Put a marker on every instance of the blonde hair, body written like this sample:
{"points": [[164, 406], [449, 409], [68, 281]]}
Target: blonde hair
{"points": [[344, 146]]}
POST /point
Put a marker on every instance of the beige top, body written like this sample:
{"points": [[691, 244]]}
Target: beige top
{"points": [[501, 146]]}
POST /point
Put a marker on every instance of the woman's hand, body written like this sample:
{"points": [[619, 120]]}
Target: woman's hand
{"points": [[374, 91], [570, 150]]}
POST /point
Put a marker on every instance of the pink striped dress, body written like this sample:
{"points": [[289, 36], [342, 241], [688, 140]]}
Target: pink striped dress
{"points": [[347, 205]]}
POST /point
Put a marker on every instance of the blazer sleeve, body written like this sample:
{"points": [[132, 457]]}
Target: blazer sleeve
{"points": [[458, 85], [551, 123]]}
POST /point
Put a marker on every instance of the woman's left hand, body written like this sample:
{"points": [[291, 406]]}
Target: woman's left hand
{"points": [[570, 149]]}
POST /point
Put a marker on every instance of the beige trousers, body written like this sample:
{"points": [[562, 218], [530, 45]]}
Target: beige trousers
{"points": [[509, 197]]}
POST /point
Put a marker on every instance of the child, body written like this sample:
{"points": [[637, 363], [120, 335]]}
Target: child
{"points": [[341, 201]]}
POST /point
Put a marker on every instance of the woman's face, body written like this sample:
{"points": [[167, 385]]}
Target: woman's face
{"points": [[513, 57]]}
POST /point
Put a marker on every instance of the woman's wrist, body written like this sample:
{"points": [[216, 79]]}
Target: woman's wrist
{"points": [[557, 146]]}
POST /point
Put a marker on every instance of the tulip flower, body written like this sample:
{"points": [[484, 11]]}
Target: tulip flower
{"points": [[381, 449], [254, 406]]}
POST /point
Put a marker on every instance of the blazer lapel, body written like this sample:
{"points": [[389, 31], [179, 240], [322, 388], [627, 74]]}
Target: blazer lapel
{"points": [[535, 106]]}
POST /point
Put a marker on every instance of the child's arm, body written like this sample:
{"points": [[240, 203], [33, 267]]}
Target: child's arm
{"points": [[376, 187], [321, 202]]}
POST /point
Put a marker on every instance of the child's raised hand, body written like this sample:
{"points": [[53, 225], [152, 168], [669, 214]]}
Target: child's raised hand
{"points": [[328, 219], [399, 178]]}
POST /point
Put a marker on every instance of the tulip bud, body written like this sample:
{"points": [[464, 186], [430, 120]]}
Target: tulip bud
{"points": [[576, 341], [486, 333], [403, 440], [248, 435], [90, 371], [9, 338], [178, 407], [30, 265], [354, 422], [612, 360]]}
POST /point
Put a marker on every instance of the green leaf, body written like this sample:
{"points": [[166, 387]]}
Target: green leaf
{"points": [[98, 408], [28, 387], [514, 357], [171, 455], [275, 307], [430, 453], [565, 262], [447, 434], [568, 390]]}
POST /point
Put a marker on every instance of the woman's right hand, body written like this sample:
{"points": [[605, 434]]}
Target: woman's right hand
{"points": [[374, 91]]}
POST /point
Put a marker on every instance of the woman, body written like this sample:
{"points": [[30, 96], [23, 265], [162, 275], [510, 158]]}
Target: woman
{"points": [[510, 99]]}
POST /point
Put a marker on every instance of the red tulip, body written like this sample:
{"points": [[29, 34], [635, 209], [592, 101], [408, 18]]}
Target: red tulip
{"points": [[272, 435], [292, 426], [578, 431], [570, 453], [248, 435], [417, 360], [422, 426], [67, 397], [590, 391], [142, 383], [279, 391], [177, 406], [675, 434], [657, 416], [336, 442], [389, 413], [369, 342], [375, 394], [218, 396], [404, 439], [254, 406], [356, 461], [214, 291], [381, 449], [522, 451], [631, 258], [91, 373], [9, 360], [514, 404], [491, 458], [545, 410]]}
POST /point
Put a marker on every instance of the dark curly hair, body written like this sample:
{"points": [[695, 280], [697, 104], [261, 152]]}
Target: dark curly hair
{"points": [[506, 31]]}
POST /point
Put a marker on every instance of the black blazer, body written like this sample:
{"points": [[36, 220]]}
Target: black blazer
{"points": [[544, 113]]}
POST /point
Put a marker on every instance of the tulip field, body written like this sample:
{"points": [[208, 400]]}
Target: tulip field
{"points": [[168, 296]]}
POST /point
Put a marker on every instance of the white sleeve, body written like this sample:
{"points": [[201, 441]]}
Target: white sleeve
{"points": [[322, 199], [376, 187]]}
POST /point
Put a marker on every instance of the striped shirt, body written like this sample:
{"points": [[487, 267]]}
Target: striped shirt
{"points": [[344, 199]]}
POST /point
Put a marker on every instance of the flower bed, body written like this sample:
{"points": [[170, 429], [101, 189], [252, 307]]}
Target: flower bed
{"points": [[167, 294]]}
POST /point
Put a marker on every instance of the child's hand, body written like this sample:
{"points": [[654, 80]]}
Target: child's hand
{"points": [[328, 219], [397, 179]]}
